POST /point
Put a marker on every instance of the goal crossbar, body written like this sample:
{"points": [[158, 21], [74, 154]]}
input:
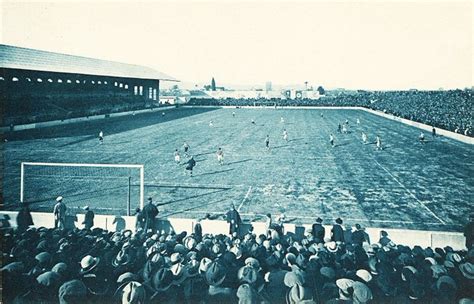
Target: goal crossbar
{"points": [[135, 166]]}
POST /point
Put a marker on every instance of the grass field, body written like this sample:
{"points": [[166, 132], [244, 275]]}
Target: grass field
{"points": [[406, 185]]}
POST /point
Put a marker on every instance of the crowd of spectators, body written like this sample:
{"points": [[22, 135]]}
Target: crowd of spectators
{"points": [[42, 265], [451, 110]]}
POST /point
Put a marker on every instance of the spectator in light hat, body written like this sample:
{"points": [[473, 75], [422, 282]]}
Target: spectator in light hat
{"points": [[88, 218], [59, 213]]}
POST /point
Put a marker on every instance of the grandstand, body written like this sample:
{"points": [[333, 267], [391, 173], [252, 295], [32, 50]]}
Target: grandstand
{"points": [[40, 86]]}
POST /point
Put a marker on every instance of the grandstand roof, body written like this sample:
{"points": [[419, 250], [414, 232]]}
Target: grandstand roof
{"points": [[13, 57]]}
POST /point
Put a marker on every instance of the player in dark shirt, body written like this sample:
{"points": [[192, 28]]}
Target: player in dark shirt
{"points": [[190, 165]]}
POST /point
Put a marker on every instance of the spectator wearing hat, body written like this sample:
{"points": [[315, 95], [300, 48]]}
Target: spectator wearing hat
{"points": [[345, 291], [88, 218], [132, 292], [23, 218], [298, 291], [469, 232], [318, 231], [218, 292], [73, 292], [274, 279], [358, 236], [337, 231], [384, 239], [150, 211], [59, 213], [234, 220], [95, 276]]}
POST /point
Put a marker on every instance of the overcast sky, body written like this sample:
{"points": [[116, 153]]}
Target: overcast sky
{"points": [[371, 45]]}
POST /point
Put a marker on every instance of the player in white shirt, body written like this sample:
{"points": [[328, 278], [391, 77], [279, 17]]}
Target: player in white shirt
{"points": [[177, 157], [358, 121], [344, 129], [233, 114], [422, 138], [378, 143], [101, 137], [285, 135], [282, 120], [364, 138], [331, 140], [220, 156], [211, 124]]}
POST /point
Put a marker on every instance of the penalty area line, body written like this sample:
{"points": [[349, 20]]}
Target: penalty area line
{"points": [[245, 198], [411, 194]]}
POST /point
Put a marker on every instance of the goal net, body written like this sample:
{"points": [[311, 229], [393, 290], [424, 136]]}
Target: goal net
{"points": [[107, 188]]}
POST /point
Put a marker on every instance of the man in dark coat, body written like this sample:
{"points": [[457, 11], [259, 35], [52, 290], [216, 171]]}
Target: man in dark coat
{"points": [[23, 218], [337, 231], [318, 231], [358, 236], [150, 211], [233, 218], [88, 218]]}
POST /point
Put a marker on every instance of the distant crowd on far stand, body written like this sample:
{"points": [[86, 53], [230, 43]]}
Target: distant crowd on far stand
{"points": [[451, 110], [92, 265]]}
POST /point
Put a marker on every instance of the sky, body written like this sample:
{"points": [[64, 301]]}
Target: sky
{"points": [[338, 44]]}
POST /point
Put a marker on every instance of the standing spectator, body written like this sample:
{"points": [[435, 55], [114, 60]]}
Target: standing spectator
{"points": [[59, 213], [358, 236], [337, 231], [348, 234], [469, 232], [139, 220], [150, 211], [88, 218], [233, 218], [24, 219], [268, 223], [384, 239], [318, 231]]}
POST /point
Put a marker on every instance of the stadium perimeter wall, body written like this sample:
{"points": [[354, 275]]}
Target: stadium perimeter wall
{"points": [[81, 119], [114, 223]]}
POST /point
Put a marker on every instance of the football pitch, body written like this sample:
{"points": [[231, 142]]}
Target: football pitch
{"points": [[405, 185]]}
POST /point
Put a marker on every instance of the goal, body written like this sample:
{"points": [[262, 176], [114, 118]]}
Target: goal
{"points": [[109, 188]]}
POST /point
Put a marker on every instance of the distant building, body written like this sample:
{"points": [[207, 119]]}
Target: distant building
{"points": [[268, 86]]}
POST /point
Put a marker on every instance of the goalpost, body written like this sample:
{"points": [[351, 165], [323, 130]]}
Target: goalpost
{"points": [[85, 182]]}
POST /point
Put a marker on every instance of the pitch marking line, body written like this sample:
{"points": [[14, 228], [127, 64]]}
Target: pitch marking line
{"points": [[245, 198], [411, 194]]}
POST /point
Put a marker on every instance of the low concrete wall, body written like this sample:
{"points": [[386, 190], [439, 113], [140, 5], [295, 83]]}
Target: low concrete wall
{"points": [[112, 223], [81, 119], [419, 125]]}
